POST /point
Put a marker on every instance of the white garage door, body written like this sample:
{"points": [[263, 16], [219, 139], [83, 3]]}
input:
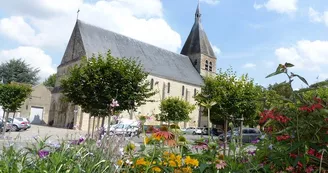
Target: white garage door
{"points": [[36, 115]]}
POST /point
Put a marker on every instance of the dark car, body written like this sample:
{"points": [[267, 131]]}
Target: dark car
{"points": [[249, 134]]}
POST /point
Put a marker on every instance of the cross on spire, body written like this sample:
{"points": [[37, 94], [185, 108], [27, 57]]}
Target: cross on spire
{"points": [[77, 15]]}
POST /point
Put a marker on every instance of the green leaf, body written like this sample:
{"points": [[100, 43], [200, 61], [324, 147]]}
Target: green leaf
{"points": [[274, 73], [301, 78], [289, 64]]}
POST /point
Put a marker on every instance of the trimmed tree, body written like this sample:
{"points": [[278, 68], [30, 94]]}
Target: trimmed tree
{"points": [[235, 97], [96, 82], [175, 109], [17, 70], [12, 96]]}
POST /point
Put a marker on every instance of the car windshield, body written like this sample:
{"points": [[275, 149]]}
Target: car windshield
{"points": [[19, 119]]}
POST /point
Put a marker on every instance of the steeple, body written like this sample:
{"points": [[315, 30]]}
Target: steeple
{"points": [[197, 41], [198, 48]]}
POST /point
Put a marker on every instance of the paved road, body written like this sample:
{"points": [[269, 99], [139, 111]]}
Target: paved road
{"points": [[23, 138]]}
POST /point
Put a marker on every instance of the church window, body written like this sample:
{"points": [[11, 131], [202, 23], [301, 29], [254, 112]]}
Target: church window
{"points": [[195, 92], [168, 87], [210, 66], [151, 83], [183, 88], [206, 65]]}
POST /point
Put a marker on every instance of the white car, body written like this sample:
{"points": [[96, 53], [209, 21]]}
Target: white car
{"points": [[189, 130]]}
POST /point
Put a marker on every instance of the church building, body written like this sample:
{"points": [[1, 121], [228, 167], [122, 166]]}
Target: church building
{"points": [[170, 73]]}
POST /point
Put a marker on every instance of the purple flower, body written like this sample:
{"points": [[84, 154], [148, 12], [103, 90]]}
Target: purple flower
{"points": [[82, 139], [255, 141], [252, 153], [43, 153]]}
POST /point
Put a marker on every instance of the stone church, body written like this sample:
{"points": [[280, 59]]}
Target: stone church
{"points": [[170, 73]]}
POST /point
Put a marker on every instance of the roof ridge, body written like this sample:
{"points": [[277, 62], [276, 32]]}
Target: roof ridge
{"points": [[85, 23]]}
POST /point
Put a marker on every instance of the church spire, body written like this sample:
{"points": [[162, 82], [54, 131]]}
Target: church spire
{"points": [[197, 41], [197, 14]]}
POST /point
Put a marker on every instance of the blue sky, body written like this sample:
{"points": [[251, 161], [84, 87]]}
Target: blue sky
{"points": [[253, 36]]}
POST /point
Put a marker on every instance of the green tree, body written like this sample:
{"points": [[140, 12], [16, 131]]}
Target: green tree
{"points": [[96, 82], [17, 70], [175, 109], [236, 97], [282, 89], [12, 96], [50, 81]]}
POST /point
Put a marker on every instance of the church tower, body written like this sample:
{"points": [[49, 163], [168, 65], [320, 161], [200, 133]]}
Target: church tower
{"points": [[198, 48]]}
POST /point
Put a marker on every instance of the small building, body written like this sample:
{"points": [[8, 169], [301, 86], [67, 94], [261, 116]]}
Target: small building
{"points": [[36, 107]]}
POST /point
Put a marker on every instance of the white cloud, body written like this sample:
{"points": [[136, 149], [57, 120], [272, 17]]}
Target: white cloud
{"points": [[279, 6], [314, 15], [305, 54], [318, 17], [211, 2], [49, 26], [257, 6], [33, 56], [216, 50], [249, 65]]}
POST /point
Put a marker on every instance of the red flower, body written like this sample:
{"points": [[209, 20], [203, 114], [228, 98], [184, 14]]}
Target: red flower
{"points": [[292, 155], [299, 164], [283, 137], [318, 155], [318, 100], [309, 169], [311, 152]]}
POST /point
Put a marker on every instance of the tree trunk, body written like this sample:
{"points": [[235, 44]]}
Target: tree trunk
{"points": [[93, 126], [89, 125], [5, 124], [225, 136], [14, 114], [241, 131], [103, 122], [209, 124]]}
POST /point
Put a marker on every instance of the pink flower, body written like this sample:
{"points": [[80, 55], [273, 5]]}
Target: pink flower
{"points": [[114, 103], [309, 169], [290, 168], [221, 164]]}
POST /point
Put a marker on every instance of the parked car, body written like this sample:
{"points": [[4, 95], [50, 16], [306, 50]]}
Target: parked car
{"points": [[189, 130], [248, 135], [8, 128], [18, 124], [28, 122]]}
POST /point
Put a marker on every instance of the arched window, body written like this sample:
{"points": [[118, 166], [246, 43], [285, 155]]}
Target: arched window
{"points": [[210, 66], [183, 88], [206, 65], [168, 87], [151, 83]]}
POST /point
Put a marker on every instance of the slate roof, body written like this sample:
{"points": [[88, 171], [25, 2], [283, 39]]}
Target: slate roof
{"points": [[157, 61], [197, 41]]}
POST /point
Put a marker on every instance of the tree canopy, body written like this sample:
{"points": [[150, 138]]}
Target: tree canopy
{"points": [[17, 70], [282, 89], [175, 109], [50, 81], [13, 95], [234, 96], [95, 82]]}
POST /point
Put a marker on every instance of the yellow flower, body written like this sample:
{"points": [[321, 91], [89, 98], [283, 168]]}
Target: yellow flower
{"points": [[192, 162], [178, 160], [156, 169], [146, 140], [172, 156], [172, 163], [141, 161], [177, 171], [187, 170], [157, 137], [120, 162]]}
